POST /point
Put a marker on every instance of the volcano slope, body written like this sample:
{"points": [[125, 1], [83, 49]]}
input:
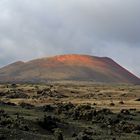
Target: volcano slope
{"points": [[67, 67]]}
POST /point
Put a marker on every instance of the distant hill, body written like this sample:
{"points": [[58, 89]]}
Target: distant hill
{"points": [[68, 67]]}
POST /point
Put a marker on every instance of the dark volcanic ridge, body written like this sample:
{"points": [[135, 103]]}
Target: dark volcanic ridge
{"points": [[67, 67]]}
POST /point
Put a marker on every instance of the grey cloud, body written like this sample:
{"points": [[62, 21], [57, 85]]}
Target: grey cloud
{"points": [[37, 28]]}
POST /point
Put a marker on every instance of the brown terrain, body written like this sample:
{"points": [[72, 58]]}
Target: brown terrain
{"points": [[123, 96], [67, 67]]}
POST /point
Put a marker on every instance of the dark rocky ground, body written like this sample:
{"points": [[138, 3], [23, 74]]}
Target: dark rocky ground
{"points": [[67, 122], [63, 112]]}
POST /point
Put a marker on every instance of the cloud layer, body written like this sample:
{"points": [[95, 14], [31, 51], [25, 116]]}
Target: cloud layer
{"points": [[37, 28]]}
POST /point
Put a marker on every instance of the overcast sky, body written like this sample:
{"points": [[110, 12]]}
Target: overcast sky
{"points": [[36, 28]]}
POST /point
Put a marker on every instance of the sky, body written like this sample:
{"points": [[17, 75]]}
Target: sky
{"points": [[37, 28]]}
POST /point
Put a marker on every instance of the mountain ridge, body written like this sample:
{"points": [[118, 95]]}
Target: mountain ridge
{"points": [[68, 67]]}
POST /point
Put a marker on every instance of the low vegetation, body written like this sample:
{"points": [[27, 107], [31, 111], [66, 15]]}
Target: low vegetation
{"points": [[69, 112]]}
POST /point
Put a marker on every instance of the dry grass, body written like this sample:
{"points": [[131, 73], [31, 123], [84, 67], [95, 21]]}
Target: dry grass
{"points": [[78, 93]]}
